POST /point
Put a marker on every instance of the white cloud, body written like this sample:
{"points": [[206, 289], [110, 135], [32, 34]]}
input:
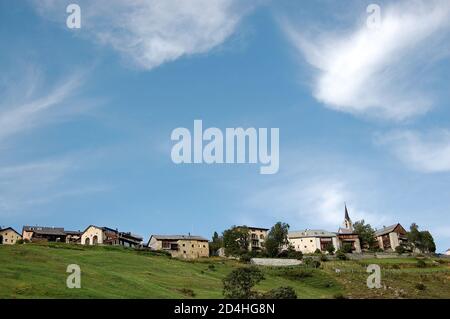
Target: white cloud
{"points": [[156, 31], [39, 182], [429, 152], [376, 72], [24, 109]]}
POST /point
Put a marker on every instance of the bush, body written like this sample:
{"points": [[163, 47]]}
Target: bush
{"points": [[310, 262], [187, 292], [420, 286], [421, 263], [295, 254], [330, 249], [400, 250], [323, 257], [238, 284], [245, 258], [211, 267], [317, 252], [341, 255], [347, 248], [281, 293]]}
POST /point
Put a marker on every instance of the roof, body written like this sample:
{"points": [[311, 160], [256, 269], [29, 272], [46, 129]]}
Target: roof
{"points": [[58, 231], [386, 230], [342, 230], [10, 228], [131, 236], [256, 228], [311, 233], [346, 213], [73, 232], [178, 237]]}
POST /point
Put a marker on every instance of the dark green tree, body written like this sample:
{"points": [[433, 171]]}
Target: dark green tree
{"points": [[215, 244], [277, 238], [238, 284], [421, 240], [366, 234], [236, 240]]}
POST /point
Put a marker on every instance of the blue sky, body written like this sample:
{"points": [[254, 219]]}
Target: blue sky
{"points": [[86, 115]]}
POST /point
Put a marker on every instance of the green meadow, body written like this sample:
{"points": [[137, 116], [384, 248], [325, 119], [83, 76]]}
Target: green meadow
{"points": [[39, 271]]}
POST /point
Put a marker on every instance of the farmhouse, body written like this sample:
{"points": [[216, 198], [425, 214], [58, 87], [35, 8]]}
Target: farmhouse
{"points": [[347, 236], [309, 240], [257, 237], [40, 233], [94, 235], [391, 237], [73, 236], [8, 236], [180, 246]]}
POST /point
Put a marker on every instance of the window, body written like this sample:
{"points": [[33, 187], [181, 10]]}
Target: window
{"points": [[261, 236], [192, 245], [165, 245], [204, 246], [310, 240], [184, 245]]}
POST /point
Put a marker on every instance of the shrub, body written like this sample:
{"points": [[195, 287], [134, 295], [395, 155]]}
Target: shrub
{"points": [[187, 292], [330, 249], [421, 263], [211, 267], [420, 286], [295, 254], [317, 251], [341, 255], [238, 284], [323, 257], [400, 249], [347, 248], [310, 262], [281, 293], [245, 258]]}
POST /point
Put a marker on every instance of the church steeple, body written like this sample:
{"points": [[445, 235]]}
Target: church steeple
{"points": [[347, 221]]}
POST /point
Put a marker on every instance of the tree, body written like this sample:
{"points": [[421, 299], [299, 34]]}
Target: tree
{"points": [[330, 248], [346, 248], [215, 244], [421, 240], [238, 284], [365, 233], [236, 240], [277, 238]]}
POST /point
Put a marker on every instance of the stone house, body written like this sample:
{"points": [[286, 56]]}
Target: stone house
{"points": [[180, 246], [94, 235], [9, 236], [391, 237]]}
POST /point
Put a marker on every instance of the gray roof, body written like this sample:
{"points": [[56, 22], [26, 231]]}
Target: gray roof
{"points": [[311, 233], [57, 231], [342, 230], [385, 230], [178, 237]]}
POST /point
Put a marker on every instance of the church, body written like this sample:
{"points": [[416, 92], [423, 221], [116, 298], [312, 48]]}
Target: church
{"points": [[347, 236]]}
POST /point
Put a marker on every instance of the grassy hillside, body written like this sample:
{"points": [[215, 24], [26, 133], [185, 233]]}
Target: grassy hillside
{"points": [[39, 271]]}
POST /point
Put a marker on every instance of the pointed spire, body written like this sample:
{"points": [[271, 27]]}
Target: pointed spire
{"points": [[346, 212]]}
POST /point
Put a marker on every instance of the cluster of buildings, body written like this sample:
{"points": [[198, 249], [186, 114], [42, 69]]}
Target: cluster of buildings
{"points": [[192, 247]]}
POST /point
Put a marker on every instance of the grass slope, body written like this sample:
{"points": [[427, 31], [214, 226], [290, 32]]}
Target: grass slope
{"points": [[39, 271]]}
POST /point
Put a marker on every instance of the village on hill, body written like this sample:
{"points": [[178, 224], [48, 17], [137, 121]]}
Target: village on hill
{"points": [[351, 238]]}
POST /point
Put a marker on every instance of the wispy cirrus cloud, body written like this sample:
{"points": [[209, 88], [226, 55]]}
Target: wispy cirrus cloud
{"points": [[39, 182], [425, 152], [150, 33], [29, 103], [377, 72]]}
